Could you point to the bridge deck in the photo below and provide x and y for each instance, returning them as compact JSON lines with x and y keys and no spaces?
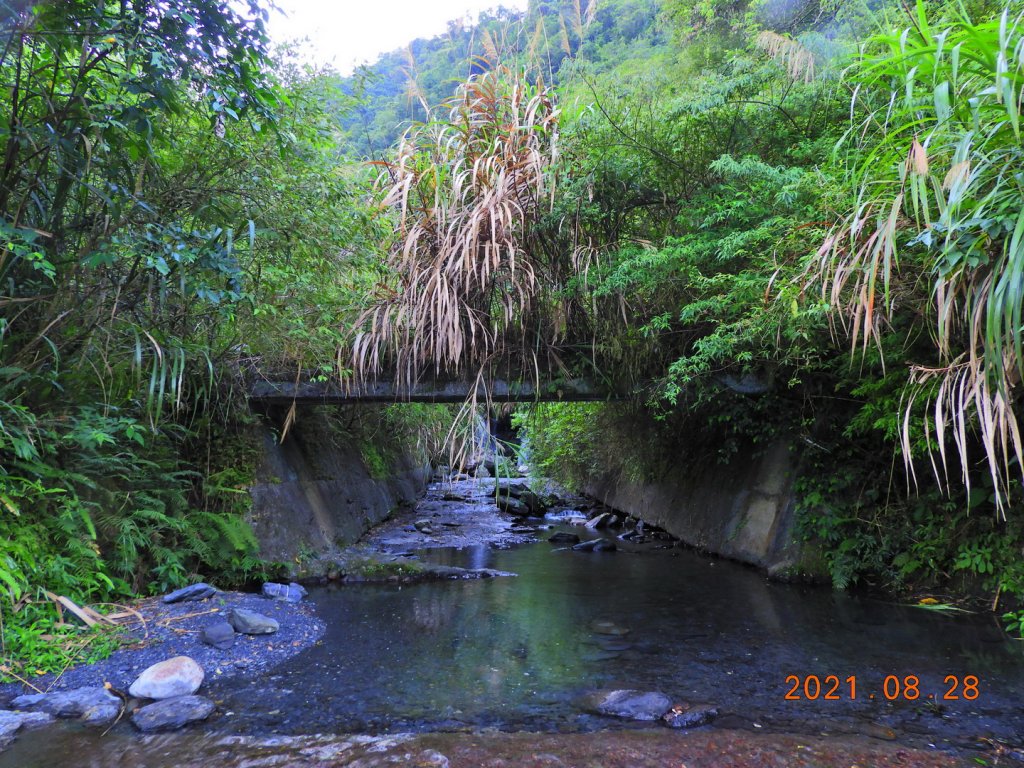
{"x":500,"y":391}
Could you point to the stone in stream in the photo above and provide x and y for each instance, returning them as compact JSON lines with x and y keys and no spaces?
{"x":12,"y":722}
{"x":252,"y":623}
{"x":172,"y":714}
{"x":687,"y":717}
{"x":878,"y":731}
{"x":595,"y":545}
{"x":199,"y":591}
{"x":630,"y":704}
{"x":94,"y":705}
{"x":564,"y":538}
{"x":603,"y":520}
{"x":423,"y":526}
{"x":515,"y":490}
{"x":512,"y":506}
{"x":220,"y":634}
{"x":533,"y":502}
{"x":292,"y":593}
{"x":605,"y":627}
{"x":180,"y":676}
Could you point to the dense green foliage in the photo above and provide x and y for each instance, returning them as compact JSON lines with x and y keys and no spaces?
{"x":157,"y":239}
{"x":716,"y":199}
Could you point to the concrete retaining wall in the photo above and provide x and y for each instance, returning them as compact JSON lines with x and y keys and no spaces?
{"x":315,"y":495}
{"x":743,"y":510}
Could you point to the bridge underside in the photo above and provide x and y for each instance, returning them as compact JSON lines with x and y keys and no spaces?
{"x":498,"y":391}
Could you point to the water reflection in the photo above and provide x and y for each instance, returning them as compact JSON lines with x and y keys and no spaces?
{"x":521,"y":652}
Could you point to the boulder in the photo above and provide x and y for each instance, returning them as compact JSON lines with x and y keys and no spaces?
{"x":172,"y":714}
{"x":180,"y":676}
{"x":199,"y":591}
{"x":514,"y":489}
{"x":533,"y":502}
{"x":95,"y":705}
{"x":512,"y":506}
{"x":630,"y":704}
{"x":689,"y":717}
{"x":603,"y":520}
{"x":252,"y":623}
{"x":220,"y":634}
{"x":12,"y":722}
{"x":292,"y":593}
{"x":564,"y":538}
{"x":423,"y":526}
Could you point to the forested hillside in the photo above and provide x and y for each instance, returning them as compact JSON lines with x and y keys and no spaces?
{"x":784,"y":219}
{"x":549,"y":38}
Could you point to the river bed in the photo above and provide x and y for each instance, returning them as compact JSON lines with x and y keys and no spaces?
{"x":520,"y":654}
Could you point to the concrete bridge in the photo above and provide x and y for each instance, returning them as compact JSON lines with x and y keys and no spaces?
{"x":498,"y":390}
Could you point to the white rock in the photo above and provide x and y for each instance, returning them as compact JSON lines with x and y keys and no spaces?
{"x":180,"y":676}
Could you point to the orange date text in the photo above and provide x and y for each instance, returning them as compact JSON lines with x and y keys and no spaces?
{"x":891,"y":688}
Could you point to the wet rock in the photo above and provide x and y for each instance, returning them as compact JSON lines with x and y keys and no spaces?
{"x":252,"y":623}
{"x":602,"y":520}
{"x":686,"y":717}
{"x":293,"y":592}
{"x":452,"y":496}
{"x":605,"y":627}
{"x":199,"y":591}
{"x":95,"y":705}
{"x":180,"y":676}
{"x":219,"y":634}
{"x":533,"y":502}
{"x":423,"y":526}
{"x":512,"y":506}
{"x":172,"y":714}
{"x":630,"y":704}
{"x":878,"y":731}
{"x":516,"y":490}
{"x":454,"y":572}
{"x":564,"y":538}
{"x":12,"y":722}
{"x":595,"y":545}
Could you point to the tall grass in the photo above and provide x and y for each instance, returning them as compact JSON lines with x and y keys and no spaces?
{"x":935,"y":154}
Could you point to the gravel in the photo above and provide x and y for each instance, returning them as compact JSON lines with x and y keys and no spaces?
{"x":174,"y":630}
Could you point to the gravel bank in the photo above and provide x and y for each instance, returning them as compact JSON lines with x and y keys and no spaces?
{"x":174,"y":630}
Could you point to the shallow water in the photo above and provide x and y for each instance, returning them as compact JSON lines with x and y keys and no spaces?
{"x":519,"y":653}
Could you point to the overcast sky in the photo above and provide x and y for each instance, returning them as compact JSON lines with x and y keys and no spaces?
{"x":349,"y":32}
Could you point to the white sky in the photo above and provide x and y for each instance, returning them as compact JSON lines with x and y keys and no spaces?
{"x":350,"y":32}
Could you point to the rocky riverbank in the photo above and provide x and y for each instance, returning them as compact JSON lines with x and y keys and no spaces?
{"x":218,"y":634}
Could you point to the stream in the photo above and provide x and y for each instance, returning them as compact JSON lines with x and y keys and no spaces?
{"x":519,"y":653}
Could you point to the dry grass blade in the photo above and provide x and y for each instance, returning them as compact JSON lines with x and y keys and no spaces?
{"x":939,"y":131}
{"x":798,"y":61}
